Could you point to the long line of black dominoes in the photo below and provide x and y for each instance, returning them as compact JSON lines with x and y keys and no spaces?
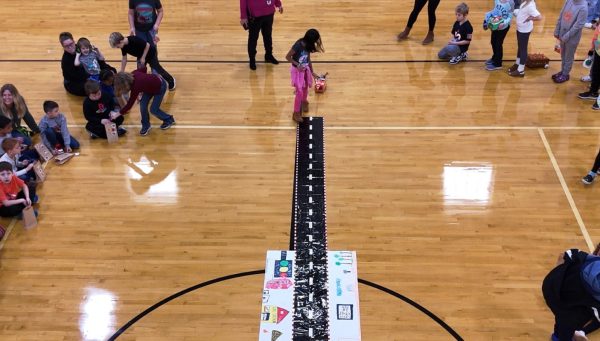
{"x":309,"y":233}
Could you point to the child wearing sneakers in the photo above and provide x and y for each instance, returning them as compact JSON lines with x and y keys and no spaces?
{"x":151,"y":87}
{"x":97,"y":108}
{"x":526,"y":15}
{"x":55,"y":133}
{"x":462,"y":33}
{"x":592,"y":93}
{"x":14,"y":194}
{"x":591,"y":176}
{"x":568,"y":31}
{"x":498,"y":21}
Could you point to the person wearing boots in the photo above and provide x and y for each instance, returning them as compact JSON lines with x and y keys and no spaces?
{"x":256,"y":16}
{"x":419,"y":4}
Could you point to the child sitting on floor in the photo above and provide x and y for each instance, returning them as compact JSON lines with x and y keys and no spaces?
{"x":55,"y":133}
{"x":14,"y":194}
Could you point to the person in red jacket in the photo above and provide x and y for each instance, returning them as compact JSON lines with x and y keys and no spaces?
{"x":257,"y":16}
{"x":151,"y":86}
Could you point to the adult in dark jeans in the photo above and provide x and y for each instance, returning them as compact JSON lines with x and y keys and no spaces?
{"x":595,"y":85}
{"x":257,"y":16}
{"x":412,"y":18}
{"x":74,"y":76}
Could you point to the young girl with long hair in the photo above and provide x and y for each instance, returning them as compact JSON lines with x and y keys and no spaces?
{"x":302,"y":72}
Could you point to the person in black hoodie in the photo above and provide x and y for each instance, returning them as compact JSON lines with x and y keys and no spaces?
{"x":74,"y":76}
{"x":572,"y":292}
{"x":97,"y":108}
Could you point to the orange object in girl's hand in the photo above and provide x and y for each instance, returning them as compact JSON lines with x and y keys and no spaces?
{"x":321,"y":83}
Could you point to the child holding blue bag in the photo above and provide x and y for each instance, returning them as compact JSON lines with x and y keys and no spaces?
{"x":498,"y":21}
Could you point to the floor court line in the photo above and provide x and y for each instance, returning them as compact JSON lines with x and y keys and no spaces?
{"x":293,"y":127}
{"x":561,"y":179}
{"x":9,"y":229}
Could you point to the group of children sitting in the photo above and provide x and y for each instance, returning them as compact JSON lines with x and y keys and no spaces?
{"x":17,"y":178}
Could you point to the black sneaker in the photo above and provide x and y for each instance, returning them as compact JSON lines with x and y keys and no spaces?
{"x":588,"y":95}
{"x":252,"y":64}
{"x":270,"y":59}
{"x":145,"y":131}
{"x":595,"y":106}
{"x":173,"y":86}
{"x":121,"y":131}
{"x":167,"y":123}
{"x":93,"y":136}
{"x":588,"y":179}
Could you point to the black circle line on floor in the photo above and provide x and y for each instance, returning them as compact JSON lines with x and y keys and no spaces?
{"x":258,"y":272}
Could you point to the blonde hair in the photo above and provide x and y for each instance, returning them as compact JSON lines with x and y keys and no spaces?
{"x":115,"y":38}
{"x":122,"y":83}
{"x":18,"y":102}
{"x":463,"y":8}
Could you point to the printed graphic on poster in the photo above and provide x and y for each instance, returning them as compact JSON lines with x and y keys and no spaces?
{"x":278,"y":302}
{"x":344,"y":315}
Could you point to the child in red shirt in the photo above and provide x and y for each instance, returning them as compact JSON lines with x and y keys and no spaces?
{"x":14,"y":194}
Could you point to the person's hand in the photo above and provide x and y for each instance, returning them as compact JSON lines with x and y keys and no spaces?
{"x":29,"y":167}
{"x":244,"y":23}
{"x":156,"y":39}
{"x":27,"y":202}
{"x":114,"y":114}
{"x":300,"y":67}
{"x":555,"y":36}
{"x":142,"y":62}
{"x":139,"y":98}
{"x":280,"y":9}
{"x":105,"y":121}
{"x":25,"y":162}
{"x":68,"y":149}
{"x":132,"y":31}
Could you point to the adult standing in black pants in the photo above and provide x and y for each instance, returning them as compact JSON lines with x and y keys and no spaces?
{"x":257,"y":16}
{"x":419,"y":4}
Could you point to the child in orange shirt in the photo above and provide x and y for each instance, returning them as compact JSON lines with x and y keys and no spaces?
{"x":14,"y":194}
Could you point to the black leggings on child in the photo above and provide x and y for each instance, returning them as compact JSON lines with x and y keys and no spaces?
{"x":419,"y":4}
{"x":596,"y":166}
{"x":497,"y":40}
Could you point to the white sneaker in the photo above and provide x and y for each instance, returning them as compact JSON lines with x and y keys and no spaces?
{"x":586,"y":78}
{"x":588,"y":25}
{"x":579,"y":335}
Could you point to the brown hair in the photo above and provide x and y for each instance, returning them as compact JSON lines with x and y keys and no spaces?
{"x":18,"y":103}
{"x":9,"y":143}
{"x":462,"y":8}
{"x":123,"y":82}
{"x":5,"y":166}
{"x":65,"y":36}
{"x":91,"y":87}
{"x":84,"y":42}
{"x":115,"y":38}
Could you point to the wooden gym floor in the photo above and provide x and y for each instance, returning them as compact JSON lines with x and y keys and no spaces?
{"x":457,"y":187}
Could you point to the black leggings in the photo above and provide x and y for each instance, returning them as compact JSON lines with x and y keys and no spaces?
{"x":262,"y":24}
{"x":497,"y":40}
{"x":419,"y":4}
{"x":596,"y":166}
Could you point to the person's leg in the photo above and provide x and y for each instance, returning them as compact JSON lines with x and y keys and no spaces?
{"x":499,"y":51}
{"x":11,"y":211}
{"x":253,"y":31}
{"x":50,"y":136}
{"x":18,"y":135}
{"x":155,"y":65}
{"x":74,"y":143}
{"x":147,"y":36}
{"x":591,"y":10}
{"x":431,"y":7}
{"x":298,"y":99}
{"x":97,"y":129}
{"x":145,"y":116}
{"x":494,"y":43}
{"x":591,"y":176}
{"x":156,"y":102}
{"x":523,"y":41}
{"x":267,"y":31}
{"x":418,"y":6}
{"x":445,"y":52}
{"x":75,"y":88}
{"x":595,"y":74}
{"x":568,"y":55}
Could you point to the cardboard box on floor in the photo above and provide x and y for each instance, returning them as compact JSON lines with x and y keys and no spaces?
{"x":111,"y":132}
{"x":29,"y":218}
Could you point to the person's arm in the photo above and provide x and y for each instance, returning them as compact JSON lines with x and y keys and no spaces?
{"x":159,"y":17}
{"x":143,"y":57}
{"x":26,"y":192}
{"x":131,"y":19}
{"x":89,"y":112}
{"x":123,"y":63}
{"x":290,"y":58}
{"x":64,"y":131}
{"x":43,"y":126}
{"x":8,"y":203}
{"x":279,"y":6}
{"x":30,"y":121}
{"x":24,"y":170}
{"x":99,"y":54}
{"x":77,"y":62}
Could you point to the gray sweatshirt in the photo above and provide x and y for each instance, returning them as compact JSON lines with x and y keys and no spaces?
{"x":59,"y":125}
{"x":571,"y":20}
